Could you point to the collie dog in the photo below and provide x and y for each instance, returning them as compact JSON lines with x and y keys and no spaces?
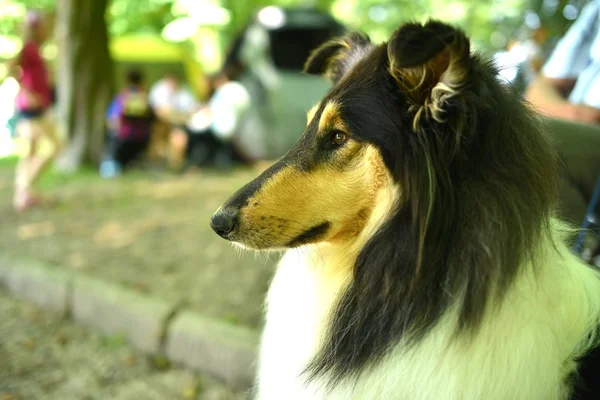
{"x":422,"y":260}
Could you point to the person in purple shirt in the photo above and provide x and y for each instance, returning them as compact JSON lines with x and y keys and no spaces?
{"x":129,"y":119}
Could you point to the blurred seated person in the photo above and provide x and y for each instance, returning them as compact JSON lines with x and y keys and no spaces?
{"x":568,"y":89}
{"x":129,"y":120}
{"x":211,"y":130}
{"x":173,"y":104}
{"x":522,"y":60}
{"x":569,"y":84}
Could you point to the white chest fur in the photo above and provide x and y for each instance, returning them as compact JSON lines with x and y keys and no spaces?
{"x":297,"y":305}
{"x":523,"y":350}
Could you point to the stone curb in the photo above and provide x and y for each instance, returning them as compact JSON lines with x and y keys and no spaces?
{"x":30,"y":281}
{"x":206,"y":344}
{"x":114,"y":310}
{"x":225,"y":351}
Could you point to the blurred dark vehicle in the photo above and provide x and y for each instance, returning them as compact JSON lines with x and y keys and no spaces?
{"x":269,"y":56}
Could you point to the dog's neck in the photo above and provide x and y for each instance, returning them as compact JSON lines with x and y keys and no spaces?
{"x":338,"y":256}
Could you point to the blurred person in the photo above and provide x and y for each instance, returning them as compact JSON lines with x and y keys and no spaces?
{"x":174,"y":104}
{"x":171,"y":100}
{"x":522,"y":60}
{"x":569,"y":84}
{"x":512,"y":65}
{"x":568,"y":89}
{"x":212,"y":129}
{"x":129,"y":120}
{"x":541,"y":47}
{"x":228,"y":105}
{"x":32,"y":105}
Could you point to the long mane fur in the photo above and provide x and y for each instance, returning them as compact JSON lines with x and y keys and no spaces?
{"x":478,"y":192}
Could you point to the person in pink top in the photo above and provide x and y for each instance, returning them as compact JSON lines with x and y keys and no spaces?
{"x":32,"y":105}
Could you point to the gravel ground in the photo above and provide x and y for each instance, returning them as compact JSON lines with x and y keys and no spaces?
{"x":44,"y":356}
{"x":146,"y":231}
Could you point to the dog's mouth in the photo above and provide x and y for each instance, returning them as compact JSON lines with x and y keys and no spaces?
{"x":310,"y":235}
{"x":266,"y":232}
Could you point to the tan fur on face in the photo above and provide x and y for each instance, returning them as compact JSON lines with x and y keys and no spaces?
{"x":331,"y":119}
{"x":311,"y":113}
{"x":381,"y":183}
{"x":342,"y":192}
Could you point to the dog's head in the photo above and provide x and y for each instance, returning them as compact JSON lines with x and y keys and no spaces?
{"x":417,"y":137}
{"x":357,"y":139}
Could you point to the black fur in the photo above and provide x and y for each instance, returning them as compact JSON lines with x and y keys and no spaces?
{"x":415,"y":45}
{"x":310,"y":235}
{"x":336,"y":57}
{"x":587,"y":379}
{"x":485,"y":177}
{"x":240,"y":198}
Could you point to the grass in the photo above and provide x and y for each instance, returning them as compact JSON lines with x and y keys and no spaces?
{"x":51,"y":178}
{"x":8,"y":162}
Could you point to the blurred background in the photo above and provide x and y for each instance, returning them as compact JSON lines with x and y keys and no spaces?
{"x":156,"y":111}
{"x":100,"y":40}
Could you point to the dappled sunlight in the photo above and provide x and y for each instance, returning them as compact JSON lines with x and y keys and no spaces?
{"x":36,"y":230}
{"x":76,"y":261}
{"x":77,"y":228}
{"x":116,"y":234}
{"x":164,"y":190}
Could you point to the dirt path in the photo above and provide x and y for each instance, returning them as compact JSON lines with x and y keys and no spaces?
{"x":146,"y":231}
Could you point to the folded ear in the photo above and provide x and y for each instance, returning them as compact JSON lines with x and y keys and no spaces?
{"x":336,"y":57}
{"x":430,"y":63}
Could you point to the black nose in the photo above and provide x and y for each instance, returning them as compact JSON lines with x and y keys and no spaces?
{"x":223,"y":222}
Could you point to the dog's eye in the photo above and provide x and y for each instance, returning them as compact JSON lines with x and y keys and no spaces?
{"x":335,"y":139}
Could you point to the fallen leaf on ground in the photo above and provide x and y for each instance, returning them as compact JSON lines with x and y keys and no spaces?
{"x":29,"y":343}
{"x":140,"y":287}
{"x":34,"y":315}
{"x":62,"y":338}
{"x":130,"y":359}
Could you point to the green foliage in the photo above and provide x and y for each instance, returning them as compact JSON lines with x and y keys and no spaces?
{"x":489,"y":22}
{"x":8,"y":162}
{"x":114,"y":341}
{"x":127,"y":16}
{"x":124,"y":16}
{"x":160,"y":363}
{"x":13,"y":11}
{"x":243,"y":11}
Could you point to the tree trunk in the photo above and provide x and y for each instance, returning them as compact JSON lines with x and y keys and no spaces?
{"x":84,"y":79}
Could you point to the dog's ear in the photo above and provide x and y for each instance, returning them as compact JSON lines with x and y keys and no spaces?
{"x":431,"y":64}
{"x":335,"y":57}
